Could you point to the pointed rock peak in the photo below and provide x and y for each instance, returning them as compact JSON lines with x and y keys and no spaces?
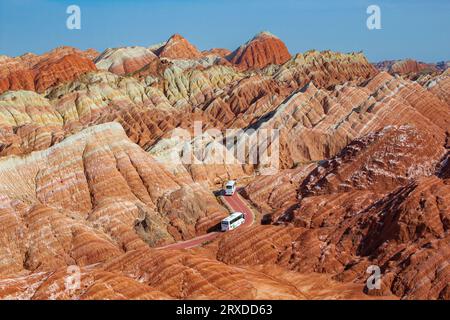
{"x":176,"y":37}
{"x":263,"y":34}
{"x":262,"y":50}
{"x":177,"y":47}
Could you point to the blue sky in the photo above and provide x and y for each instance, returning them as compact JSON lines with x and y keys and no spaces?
{"x":410,"y":28}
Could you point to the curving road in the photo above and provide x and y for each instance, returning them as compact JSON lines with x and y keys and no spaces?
{"x":234,"y":202}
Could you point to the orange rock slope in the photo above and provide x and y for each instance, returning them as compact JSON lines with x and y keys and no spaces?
{"x":93,"y":196}
{"x":124,"y":60}
{"x":406,"y":67}
{"x":37,"y":73}
{"x":382,"y":201}
{"x":178,"y":47}
{"x":264,"y":49}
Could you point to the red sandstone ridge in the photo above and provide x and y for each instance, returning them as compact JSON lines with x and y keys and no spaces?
{"x":28,"y":60}
{"x":380,"y":162}
{"x":378,"y":202}
{"x":264,"y":49}
{"x":65,"y":69}
{"x":409,"y":66}
{"x":124,"y":60}
{"x":406,"y":67}
{"x":221,"y":52}
{"x":37,"y":73}
{"x":178,"y":47}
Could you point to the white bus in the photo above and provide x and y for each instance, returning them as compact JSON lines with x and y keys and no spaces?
{"x":232,"y":221}
{"x":230,"y":188}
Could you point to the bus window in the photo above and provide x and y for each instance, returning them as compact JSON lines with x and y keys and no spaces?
{"x":233,"y":221}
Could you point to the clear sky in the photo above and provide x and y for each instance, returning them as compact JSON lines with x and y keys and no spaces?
{"x":417,"y":29}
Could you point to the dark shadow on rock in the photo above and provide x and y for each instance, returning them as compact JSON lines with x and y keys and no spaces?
{"x":214,"y":228}
{"x":266,"y":219}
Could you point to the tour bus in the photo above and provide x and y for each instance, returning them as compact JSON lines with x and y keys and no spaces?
{"x":232,"y":221}
{"x":230,"y":188}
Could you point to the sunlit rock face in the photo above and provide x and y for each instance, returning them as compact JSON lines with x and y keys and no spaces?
{"x":39,"y":72}
{"x":379,"y":161}
{"x":178,"y":47}
{"x":263,"y":50}
{"x":405,"y":67}
{"x":323,"y":68}
{"x":380,"y":201}
{"x":124,"y":60}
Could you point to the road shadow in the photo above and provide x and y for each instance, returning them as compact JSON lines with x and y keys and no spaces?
{"x":214,"y":228}
{"x":219,"y":193}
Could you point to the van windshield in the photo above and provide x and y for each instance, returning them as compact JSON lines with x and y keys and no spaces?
{"x":229,"y":187}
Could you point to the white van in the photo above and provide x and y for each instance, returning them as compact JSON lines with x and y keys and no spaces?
{"x":230,"y":188}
